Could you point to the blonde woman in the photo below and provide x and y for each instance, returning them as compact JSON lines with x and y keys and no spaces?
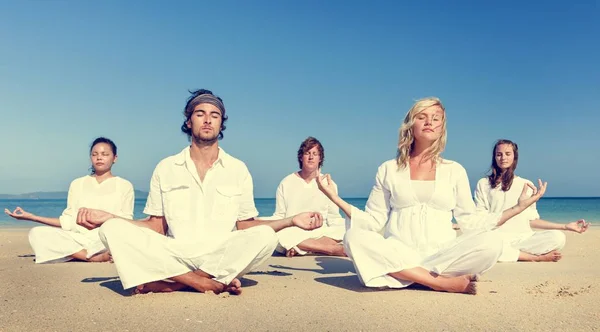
{"x":405,"y":234}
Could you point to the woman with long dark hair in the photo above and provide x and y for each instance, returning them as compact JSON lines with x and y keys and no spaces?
{"x":501,"y":189}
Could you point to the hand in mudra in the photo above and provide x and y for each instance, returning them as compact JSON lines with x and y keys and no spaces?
{"x":578,"y":226}
{"x":19,"y":214}
{"x":526,"y":200}
{"x":326,"y":185}
{"x":92,"y":218}
{"x":308,"y":220}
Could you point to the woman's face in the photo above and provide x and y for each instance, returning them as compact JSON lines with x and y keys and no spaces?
{"x":505,"y":156}
{"x":102,"y":157}
{"x":311,"y":159}
{"x":428,"y":124}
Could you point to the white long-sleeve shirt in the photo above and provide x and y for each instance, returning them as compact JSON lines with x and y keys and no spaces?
{"x":496,"y":200}
{"x":426,"y":227}
{"x":114,"y":195}
{"x":294,"y":195}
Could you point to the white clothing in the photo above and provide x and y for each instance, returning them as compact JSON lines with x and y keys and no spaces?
{"x":419,"y":234}
{"x":52,"y":244}
{"x":194,"y":208}
{"x":516,"y":232}
{"x":142,"y":255}
{"x":201,"y":218}
{"x":423,"y":190}
{"x":294,"y":196}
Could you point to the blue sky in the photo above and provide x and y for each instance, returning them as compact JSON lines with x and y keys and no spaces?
{"x":345,"y":72}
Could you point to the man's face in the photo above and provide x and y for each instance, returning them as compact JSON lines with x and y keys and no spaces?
{"x":205,"y":123}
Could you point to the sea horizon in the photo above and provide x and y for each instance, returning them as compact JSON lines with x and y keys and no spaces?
{"x":556,"y":209}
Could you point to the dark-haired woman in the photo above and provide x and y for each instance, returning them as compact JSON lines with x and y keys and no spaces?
{"x":63,"y":239}
{"x":500,"y":190}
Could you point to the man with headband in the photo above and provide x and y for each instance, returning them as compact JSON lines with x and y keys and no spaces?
{"x":202,"y":199}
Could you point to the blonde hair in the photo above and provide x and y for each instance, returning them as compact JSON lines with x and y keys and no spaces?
{"x":406,"y":138}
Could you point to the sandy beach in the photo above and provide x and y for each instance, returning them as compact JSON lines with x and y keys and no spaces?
{"x":298,"y":294}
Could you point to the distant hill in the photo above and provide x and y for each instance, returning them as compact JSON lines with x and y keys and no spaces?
{"x":57,"y":195}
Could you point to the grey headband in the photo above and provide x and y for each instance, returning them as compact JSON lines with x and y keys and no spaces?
{"x":208,"y":99}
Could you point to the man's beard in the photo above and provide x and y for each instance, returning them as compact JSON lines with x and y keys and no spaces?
{"x":199,"y":140}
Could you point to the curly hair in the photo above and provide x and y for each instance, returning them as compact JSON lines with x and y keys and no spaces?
{"x":194,"y":101}
{"x":308,"y":144}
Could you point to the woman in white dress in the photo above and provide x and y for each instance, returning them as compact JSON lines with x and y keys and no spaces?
{"x":500,"y":190}
{"x":63,"y":239}
{"x":298,"y":192}
{"x":405,"y":234}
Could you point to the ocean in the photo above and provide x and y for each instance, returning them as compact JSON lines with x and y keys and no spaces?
{"x":557,"y":209}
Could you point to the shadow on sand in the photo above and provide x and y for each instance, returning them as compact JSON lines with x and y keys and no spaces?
{"x":328,"y":264}
{"x":114,"y":284}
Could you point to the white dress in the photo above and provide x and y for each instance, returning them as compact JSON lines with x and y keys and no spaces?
{"x":516,"y":232}
{"x":52,"y":244}
{"x":201,"y":218}
{"x":419,"y":233}
{"x":294,"y":196}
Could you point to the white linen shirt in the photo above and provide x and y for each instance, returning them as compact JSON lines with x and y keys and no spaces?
{"x":393,"y":207}
{"x":294,"y":196}
{"x":114,"y":195}
{"x":496,"y":200}
{"x":195,"y":209}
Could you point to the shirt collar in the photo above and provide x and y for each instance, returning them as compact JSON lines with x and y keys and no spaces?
{"x":184,"y":156}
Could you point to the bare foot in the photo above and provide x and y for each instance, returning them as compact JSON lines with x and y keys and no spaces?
{"x":473,"y":277}
{"x":158,"y":287}
{"x":291,"y":253}
{"x":101,"y":257}
{"x":338,"y":250}
{"x":553,"y":256}
{"x":235,"y":287}
{"x":461,"y":284}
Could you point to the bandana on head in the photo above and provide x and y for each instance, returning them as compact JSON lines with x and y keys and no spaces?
{"x":209,"y":99}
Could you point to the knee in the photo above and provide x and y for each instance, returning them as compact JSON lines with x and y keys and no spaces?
{"x":492,"y":245}
{"x":110,"y":227}
{"x":353,"y":237}
{"x":559,"y":239}
{"x":267,"y":236}
{"x":38,"y":233}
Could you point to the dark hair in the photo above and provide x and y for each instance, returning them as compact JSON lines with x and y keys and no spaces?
{"x":99,"y":140}
{"x":308,"y":144}
{"x":498,"y":175}
{"x":189,"y":110}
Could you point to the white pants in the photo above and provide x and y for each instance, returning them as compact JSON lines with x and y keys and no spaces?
{"x":375,"y":256}
{"x":535,"y":243}
{"x":54,"y":245}
{"x":142,"y":255}
{"x":292,"y":236}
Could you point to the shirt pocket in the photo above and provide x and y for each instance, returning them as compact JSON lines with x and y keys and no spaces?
{"x":176,"y":201}
{"x":226,"y":205}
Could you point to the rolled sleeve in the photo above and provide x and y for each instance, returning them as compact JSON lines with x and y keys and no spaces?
{"x":154,"y":203}
{"x":247,"y":208}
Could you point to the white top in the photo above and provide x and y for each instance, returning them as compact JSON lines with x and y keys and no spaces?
{"x":423,"y":189}
{"x":294,"y":196}
{"x":394,"y":207}
{"x":495,"y":200}
{"x":193,"y":208}
{"x":114,"y":195}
